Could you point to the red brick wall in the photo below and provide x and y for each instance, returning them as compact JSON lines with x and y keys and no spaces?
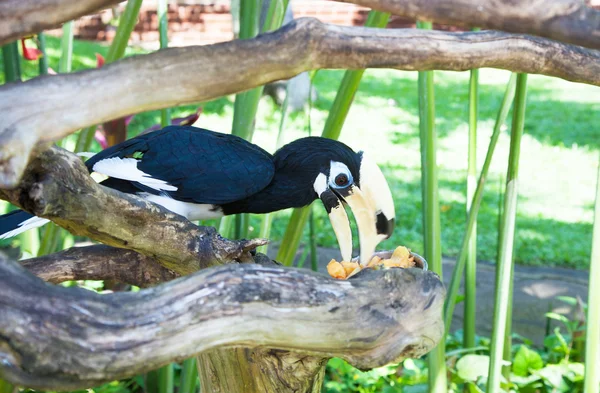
{"x":210,"y":22}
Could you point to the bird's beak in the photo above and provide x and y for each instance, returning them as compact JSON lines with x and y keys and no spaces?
{"x":372,"y":206}
{"x":339,"y":222}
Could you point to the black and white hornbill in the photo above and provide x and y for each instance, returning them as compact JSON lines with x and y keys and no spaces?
{"x":202,"y":174}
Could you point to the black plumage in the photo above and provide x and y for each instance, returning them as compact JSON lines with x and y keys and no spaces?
{"x":207,"y":167}
{"x":202,"y":174}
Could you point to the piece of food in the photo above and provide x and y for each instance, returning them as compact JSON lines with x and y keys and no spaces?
{"x":349,"y":267}
{"x":336,"y":270}
{"x":401,"y":257}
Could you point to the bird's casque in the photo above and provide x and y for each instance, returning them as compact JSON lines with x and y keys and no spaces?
{"x":201,"y":174}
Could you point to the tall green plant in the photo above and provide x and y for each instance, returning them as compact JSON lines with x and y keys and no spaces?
{"x":189,"y":376}
{"x":471,"y":268}
{"x":507,"y":235}
{"x":66,"y":46}
{"x":246,"y":103}
{"x":431,"y":209}
{"x":457,"y":273}
{"x":43,"y":61}
{"x":333,"y":127}
{"x":12,"y":62}
{"x":592,"y":338}
{"x":116,"y":51}
{"x":163,"y":31}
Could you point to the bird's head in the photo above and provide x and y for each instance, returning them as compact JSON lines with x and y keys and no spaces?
{"x":340,"y":176}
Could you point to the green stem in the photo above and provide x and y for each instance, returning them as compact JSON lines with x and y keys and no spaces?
{"x":165,"y":379}
{"x":66,"y":46}
{"x":291,"y":238}
{"x":507,"y":350}
{"x":471,"y":263}
{"x":127,"y":22}
{"x":48,"y":240}
{"x":246,"y":103}
{"x":12,"y":62}
{"x":333,"y":128}
{"x":592,"y":339}
{"x":431,"y":208}
{"x":476,"y":203}
{"x":43,"y":61}
{"x":267,"y":219}
{"x":505,"y":257}
{"x":163,"y":30}
{"x":275,"y":15}
{"x":189,"y":376}
{"x":30,"y":241}
{"x":312,"y":241}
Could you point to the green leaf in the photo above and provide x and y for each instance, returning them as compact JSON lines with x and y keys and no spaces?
{"x":553,"y":375}
{"x":558,"y":317}
{"x":526,"y":360}
{"x":471,"y":367}
{"x":567,"y":299}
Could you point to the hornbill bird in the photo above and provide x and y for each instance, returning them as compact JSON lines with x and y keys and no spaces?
{"x":201,"y":174}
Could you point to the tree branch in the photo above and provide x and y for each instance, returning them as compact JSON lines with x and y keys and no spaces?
{"x":99,"y":262}
{"x":376,"y":318}
{"x":563,"y":20}
{"x":57,"y":186}
{"x":50,"y":107}
{"x":23,"y":17}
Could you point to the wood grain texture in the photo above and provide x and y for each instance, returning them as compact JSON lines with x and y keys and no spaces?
{"x":99,"y":262}
{"x":57,"y":186}
{"x":57,"y":338}
{"x":24,"y":17}
{"x":569,"y":21}
{"x":48,"y":108}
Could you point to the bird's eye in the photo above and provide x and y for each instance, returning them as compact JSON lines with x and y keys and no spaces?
{"x":339,"y":175}
{"x":341,"y":180}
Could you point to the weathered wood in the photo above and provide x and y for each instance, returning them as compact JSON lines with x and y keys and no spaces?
{"x":57,"y":338}
{"x":99,"y":262}
{"x":260,"y":370}
{"x":57,"y":186}
{"x":51,"y":107}
{"x":563,"y":20}
{"x":23,"y":17}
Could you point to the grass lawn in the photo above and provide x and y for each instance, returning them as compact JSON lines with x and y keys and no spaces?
{"x":557,"y":171}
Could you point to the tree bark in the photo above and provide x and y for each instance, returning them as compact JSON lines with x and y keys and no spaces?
{"x":261,"y":370}
{"x":24,"y":17}
{"x":57,"y":186}
{"x":56,"y":338}
{"x":99,"y":262}
{"x":563,"y":20}
{"x":35,"y":112}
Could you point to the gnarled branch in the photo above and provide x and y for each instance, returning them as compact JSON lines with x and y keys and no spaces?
{"x":563,"y":20}
{"x":57,"y":186}
{"x":99,"y":262}
{"x":23,"y":17}
{"x":376,"y":318}
{"x":35,"y":111}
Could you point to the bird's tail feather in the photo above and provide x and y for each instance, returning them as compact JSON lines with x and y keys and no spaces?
{"x":17,"y":222}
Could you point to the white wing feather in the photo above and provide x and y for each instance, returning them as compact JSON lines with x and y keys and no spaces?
{"x":126,"y":169}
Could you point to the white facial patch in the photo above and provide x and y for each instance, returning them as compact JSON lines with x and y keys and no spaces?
{"x":320,"y":184}
{"x":126,"y":169}
{"x":374,"y":185}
